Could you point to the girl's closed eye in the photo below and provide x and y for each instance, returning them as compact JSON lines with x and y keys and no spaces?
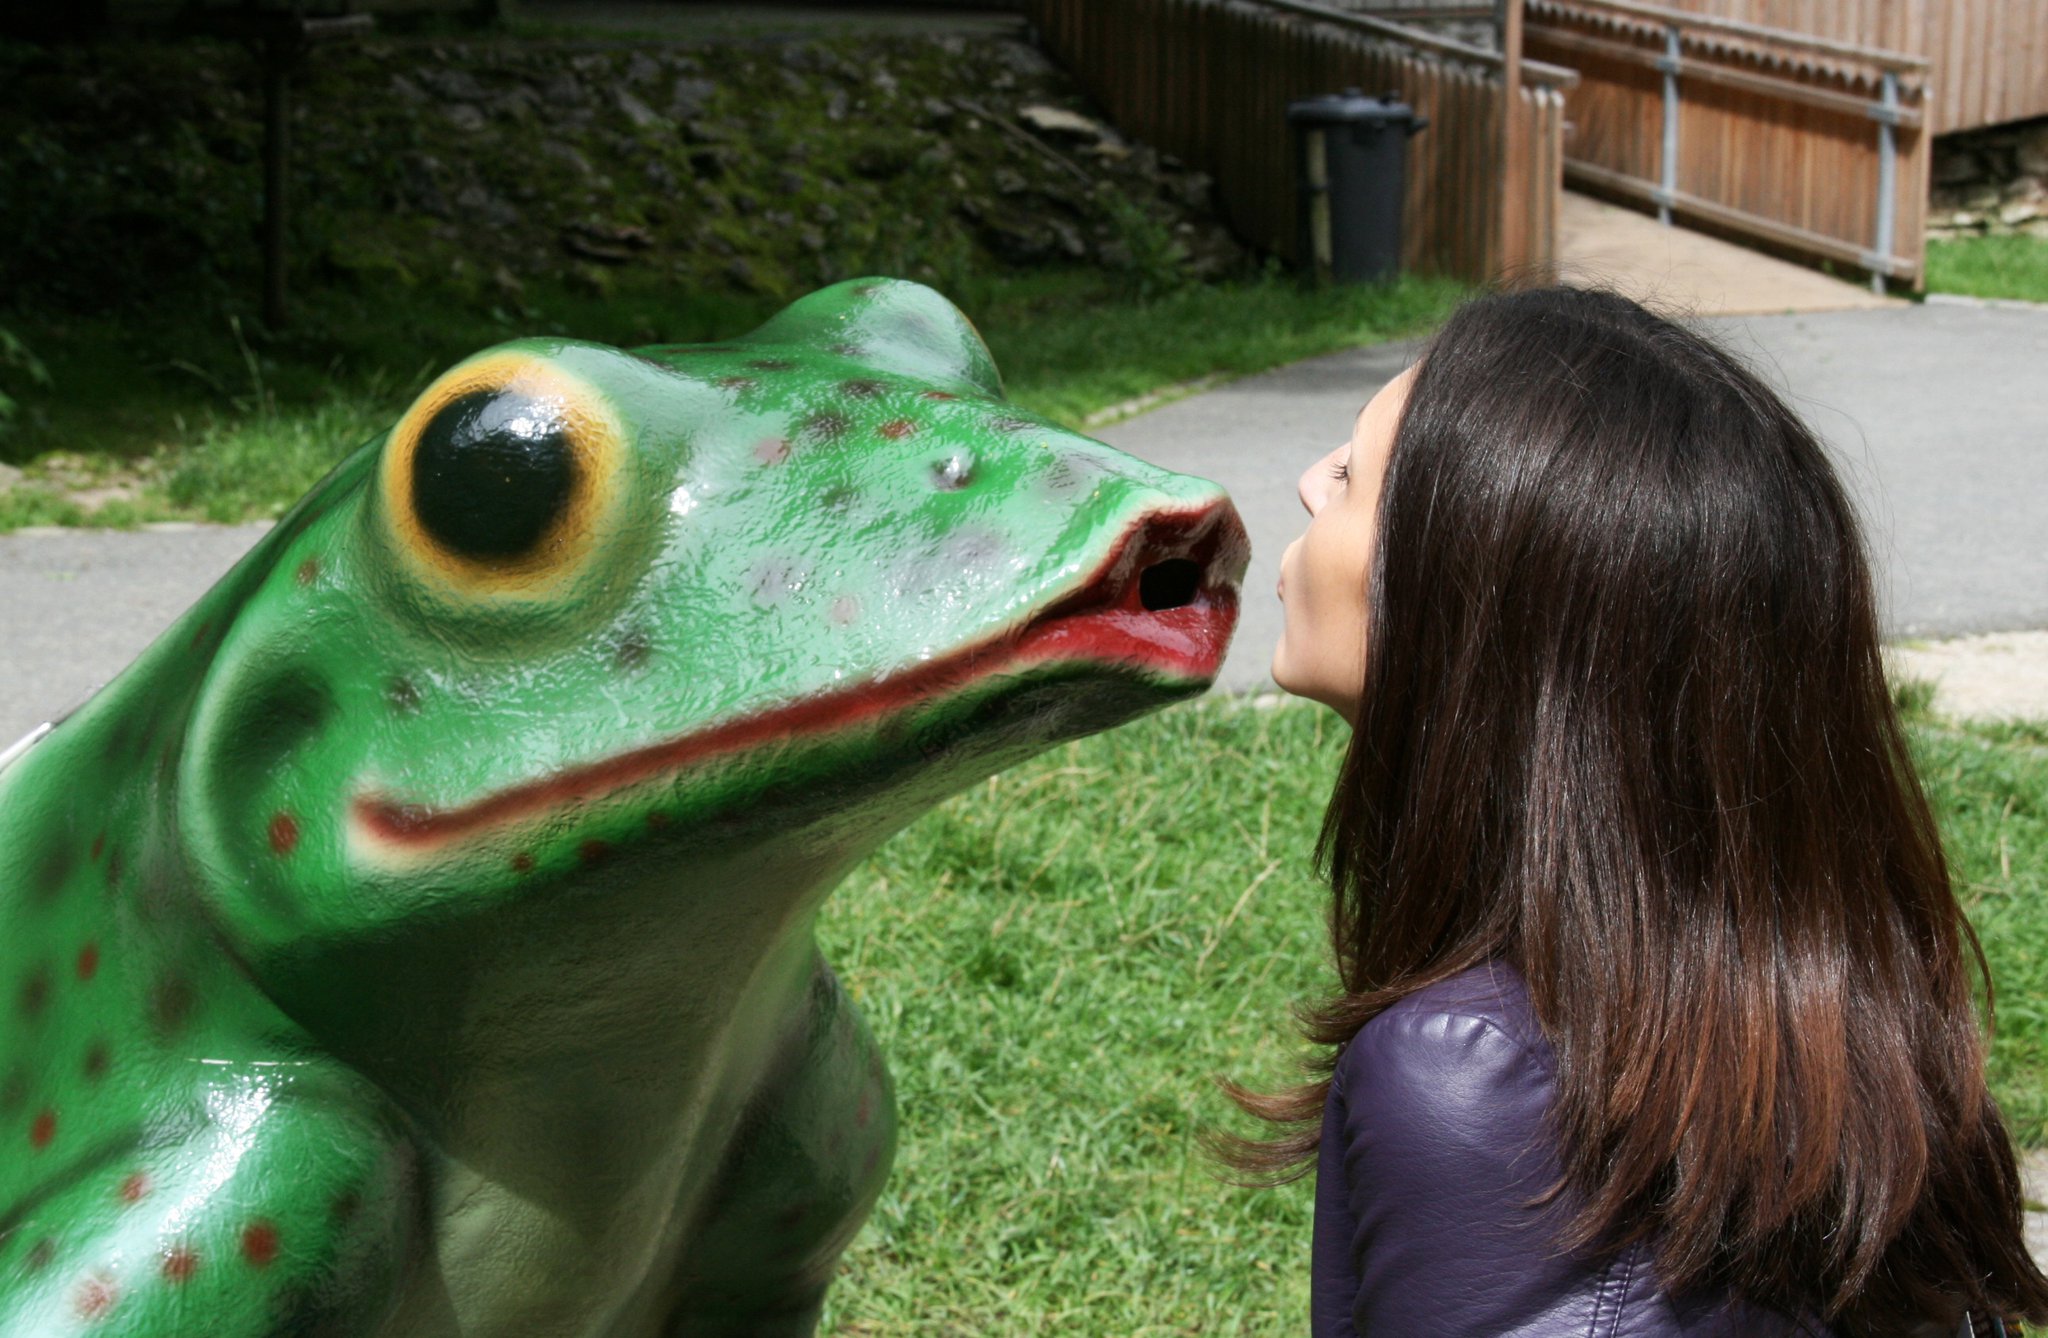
{"x":1340,"y":470}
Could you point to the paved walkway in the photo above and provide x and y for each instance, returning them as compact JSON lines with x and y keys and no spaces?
{"x":1932,"y":412}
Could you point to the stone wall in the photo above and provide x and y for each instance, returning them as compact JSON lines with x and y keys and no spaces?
{"x":1991,"y":182}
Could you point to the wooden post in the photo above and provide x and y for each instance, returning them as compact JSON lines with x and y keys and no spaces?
{"x":1512,"y":255}
{"x":279,"y":40}
{"x":278,"y":54}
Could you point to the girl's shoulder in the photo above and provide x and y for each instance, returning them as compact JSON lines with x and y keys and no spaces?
{"x":1479,"y":1020}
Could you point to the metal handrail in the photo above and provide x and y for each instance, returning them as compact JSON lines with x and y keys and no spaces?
{"x":1898,"y":61}
{"x":1533,"y":71}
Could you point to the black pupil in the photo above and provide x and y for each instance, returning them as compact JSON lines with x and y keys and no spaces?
{"x":492,"y":473}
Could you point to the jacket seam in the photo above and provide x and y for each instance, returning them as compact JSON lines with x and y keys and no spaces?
{"x":1626,"y":1265}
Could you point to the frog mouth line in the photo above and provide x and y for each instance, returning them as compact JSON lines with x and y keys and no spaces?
{"x":1163,"y":603}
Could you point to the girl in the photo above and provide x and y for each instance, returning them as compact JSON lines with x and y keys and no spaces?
{"x":1655,"y":1011}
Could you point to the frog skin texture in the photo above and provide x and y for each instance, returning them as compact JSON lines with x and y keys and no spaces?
{"x":418,"y":938}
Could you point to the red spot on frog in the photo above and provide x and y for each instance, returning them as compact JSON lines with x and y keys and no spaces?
{"x":99,"y":843}
{"x":180,"y":1264}
{"x":896,"y":429}
{"x":522,"y":863}
{"x":309,"y":571}
{"x":771,"y":450}
{"x":88,"y":961}
{"x":95,"y":1297}
{"x":940,"y":395}
{"x":43,"y":1130}
{"x":96,"y":1061}
{"x":135,"y":1188}
{"x":284,"y":834}
{"x":259,"y":1243}
{"x":594,"y":851}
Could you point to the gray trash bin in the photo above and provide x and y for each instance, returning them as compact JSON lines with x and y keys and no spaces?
{"x":1351,"y":160}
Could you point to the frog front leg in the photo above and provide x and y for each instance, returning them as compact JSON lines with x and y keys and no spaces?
{"x":255,"y":1204}
{"x":813,"y":1151}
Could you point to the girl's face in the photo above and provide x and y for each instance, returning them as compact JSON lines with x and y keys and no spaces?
{"x":1323,"y":574}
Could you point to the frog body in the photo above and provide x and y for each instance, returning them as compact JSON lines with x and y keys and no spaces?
{"x":418,"y":938}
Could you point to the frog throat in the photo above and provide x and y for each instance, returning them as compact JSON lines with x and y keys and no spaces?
{"x":1161,"y":605}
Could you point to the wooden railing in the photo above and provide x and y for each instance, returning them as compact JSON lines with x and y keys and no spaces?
{"x":1209,"y":81}
{"x":1808,"y":144}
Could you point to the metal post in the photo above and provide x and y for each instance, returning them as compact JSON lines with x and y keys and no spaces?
{"x":1667,"y":194}
{"x":1887,"y":178}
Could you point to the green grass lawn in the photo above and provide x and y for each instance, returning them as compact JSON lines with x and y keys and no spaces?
{"x":207,"y":422}
{"x":1056,"y":962}
{"x":2011,"y":267}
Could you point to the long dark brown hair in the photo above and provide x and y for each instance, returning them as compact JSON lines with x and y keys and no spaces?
{"x":1625,"y":725}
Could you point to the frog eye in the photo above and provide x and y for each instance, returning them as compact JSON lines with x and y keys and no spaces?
{"x":493,"y":473}
{"x":499,"y":476}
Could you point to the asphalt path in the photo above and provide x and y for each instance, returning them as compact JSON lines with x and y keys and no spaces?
{"x":1937,"y":415}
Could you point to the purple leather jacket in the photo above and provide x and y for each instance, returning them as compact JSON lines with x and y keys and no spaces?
{"x":1434,"y":1141}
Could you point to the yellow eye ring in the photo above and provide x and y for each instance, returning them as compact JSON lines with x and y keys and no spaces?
{"x":500,"y":477}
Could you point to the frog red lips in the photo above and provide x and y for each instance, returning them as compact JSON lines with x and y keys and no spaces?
{"x":1166,"y":600}
{"x":1163,"y":604}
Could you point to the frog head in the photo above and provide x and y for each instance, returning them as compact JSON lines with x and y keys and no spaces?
{"x":589,"y":619}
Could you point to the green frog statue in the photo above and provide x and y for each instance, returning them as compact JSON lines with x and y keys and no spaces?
{"x":418,"y":938}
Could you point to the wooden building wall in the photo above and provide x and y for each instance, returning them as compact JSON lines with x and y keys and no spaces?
{"x":1990,"y":57}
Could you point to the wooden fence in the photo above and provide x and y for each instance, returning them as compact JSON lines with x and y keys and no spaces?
{"x":1210,"y":80}
{"x":1989,"y":57}
{"x":1810,"y":145}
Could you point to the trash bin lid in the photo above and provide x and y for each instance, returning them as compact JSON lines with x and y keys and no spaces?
{"x":1349,"y":108}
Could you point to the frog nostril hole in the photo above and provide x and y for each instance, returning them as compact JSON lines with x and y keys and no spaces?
{"x":1171,"y":584}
